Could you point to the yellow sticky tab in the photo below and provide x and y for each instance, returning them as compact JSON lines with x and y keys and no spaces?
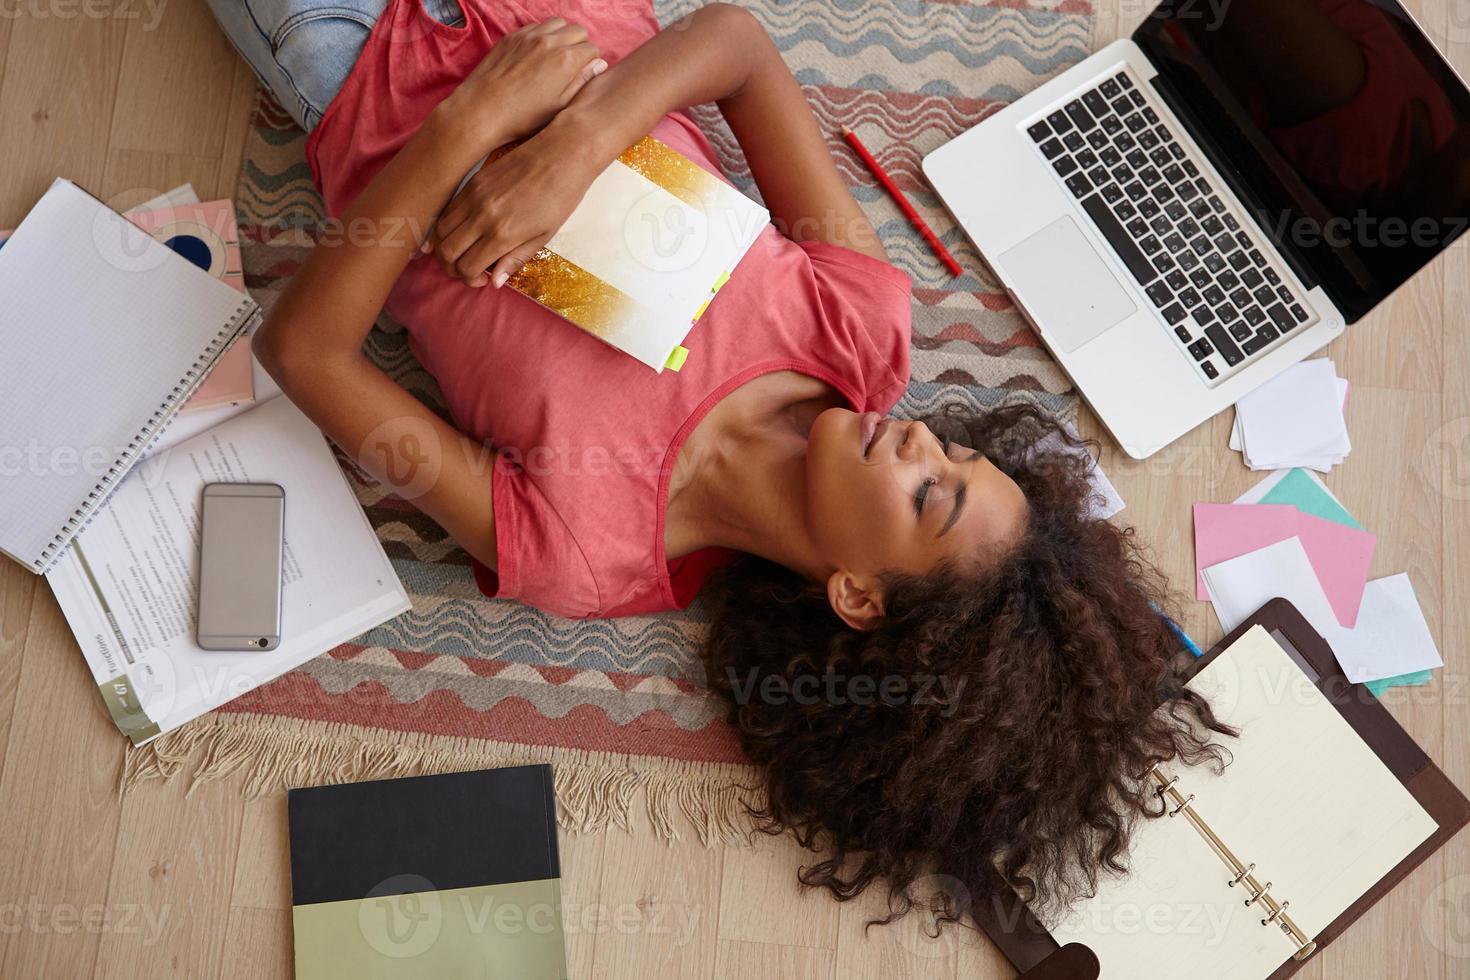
{"x":724,"y":278}
{"x":700,"y":312}
{"x":677,"y":358}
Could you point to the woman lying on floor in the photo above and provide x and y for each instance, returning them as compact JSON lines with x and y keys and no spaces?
{"x":837,"y":542}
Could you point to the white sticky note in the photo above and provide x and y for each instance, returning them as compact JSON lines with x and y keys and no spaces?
{"x":1237,"y":441}
{"x":1391,"y":636}
{"x":1240,"y":586}
{"x":1295,"y":419}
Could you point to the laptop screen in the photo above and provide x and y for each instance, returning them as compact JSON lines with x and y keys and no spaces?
{"x":1336,"y":121}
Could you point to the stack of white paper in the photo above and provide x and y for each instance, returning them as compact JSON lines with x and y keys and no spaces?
{"x":1295,"y":419}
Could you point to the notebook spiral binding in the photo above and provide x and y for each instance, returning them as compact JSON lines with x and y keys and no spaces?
{"x":1243,"y":875}
{"x":82,"y":516}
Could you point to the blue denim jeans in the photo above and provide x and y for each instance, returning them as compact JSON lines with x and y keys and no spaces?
{"x":303,"y":50}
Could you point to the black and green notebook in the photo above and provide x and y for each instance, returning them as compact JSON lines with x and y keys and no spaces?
{"x":447,"y":876}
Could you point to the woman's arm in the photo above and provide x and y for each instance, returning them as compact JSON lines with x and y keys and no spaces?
{"x":717,"y":54}
{"x":312,"y":342}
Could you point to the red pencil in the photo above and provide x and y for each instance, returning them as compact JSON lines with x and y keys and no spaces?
{"x":902,"y":202}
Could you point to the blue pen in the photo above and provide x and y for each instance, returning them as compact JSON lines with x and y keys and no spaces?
{"x":1189,"y":644}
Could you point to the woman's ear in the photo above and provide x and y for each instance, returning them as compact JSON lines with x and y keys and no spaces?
{"x":857,"y":601}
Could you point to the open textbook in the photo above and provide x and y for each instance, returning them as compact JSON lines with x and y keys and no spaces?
{"x":128,"y":584}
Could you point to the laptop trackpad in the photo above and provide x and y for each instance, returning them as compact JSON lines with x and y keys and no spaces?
{"x":1065,"y":286}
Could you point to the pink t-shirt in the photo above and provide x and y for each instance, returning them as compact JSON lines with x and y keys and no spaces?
{"x":585,"y":437}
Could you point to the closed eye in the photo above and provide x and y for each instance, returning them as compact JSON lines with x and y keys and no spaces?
{"x":922,"y":495}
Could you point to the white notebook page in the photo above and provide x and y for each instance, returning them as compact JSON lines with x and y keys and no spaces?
{"x":98,"y":325}
{"x":1305,"y":799}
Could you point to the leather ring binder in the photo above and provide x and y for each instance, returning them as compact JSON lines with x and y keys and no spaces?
{"x":1026,"y":942}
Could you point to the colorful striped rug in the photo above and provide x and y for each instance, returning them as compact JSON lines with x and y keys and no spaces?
{"x":619,"y":706}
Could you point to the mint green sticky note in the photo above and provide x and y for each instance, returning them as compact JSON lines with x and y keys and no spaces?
{"x":1307,"y":496}
{"x":1416,"y":679}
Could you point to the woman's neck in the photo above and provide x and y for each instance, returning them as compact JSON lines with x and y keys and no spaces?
{"x":740,"y":478}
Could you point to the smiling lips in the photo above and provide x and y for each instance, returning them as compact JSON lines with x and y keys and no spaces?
{"x":869,"y":428}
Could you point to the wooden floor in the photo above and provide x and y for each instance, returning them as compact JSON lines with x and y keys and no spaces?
{"x":163,"y":885}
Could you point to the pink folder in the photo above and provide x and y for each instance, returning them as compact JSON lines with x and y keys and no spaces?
{"x":206,"y":235}
{"x":1340,"y":555}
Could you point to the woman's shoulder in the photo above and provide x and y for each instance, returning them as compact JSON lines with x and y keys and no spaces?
{"x":871,"y":302}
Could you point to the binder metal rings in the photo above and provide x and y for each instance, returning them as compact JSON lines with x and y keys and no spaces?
{"x":1244,"y":876}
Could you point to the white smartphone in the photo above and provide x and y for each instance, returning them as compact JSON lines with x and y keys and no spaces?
{"x":240,"y":566}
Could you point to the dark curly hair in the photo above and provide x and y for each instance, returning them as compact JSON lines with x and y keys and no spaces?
{"x":1053,"y":684}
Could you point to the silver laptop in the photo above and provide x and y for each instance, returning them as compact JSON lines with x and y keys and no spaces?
{"x":1185,"y":214}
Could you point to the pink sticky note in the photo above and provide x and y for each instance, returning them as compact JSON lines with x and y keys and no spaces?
{"x":1340,"y":555}
{"x":1225,"y":531}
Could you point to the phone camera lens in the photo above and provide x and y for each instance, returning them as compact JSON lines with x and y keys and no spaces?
{"x":263,"y":643}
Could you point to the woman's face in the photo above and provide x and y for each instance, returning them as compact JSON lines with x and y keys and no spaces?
{"x":888,"y":495}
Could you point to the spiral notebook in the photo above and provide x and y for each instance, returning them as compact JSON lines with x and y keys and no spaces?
{"x":104,"y":332}
{"x":1248,"y":873}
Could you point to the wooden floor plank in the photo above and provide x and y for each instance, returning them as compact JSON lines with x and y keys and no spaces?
{"x":262,"y":872}
{"x":761,"y":901}
{"x":657,"y":911}
{"x":61,"y":812}
{"x":581,"y":888}
{"x":5,"y":23}
{"x":772,"y":962}
{"x":175,"y":856}
{"x":258,"y":944}
{"x":901,"y":950}
{"x":1446,"y":909}
{"x":17,"y":587}
{"x":56,"y":110}
{"x":237,"y":127}
{"x":171,"y":91}
{"x":134,"y":176}
{"x":1397,"y":345}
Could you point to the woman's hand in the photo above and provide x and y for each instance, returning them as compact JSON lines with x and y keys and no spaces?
{"x":513,"y":205}
{"x":528,"y":76}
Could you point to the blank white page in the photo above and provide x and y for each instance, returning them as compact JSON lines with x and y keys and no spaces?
{"x":103,"y":332}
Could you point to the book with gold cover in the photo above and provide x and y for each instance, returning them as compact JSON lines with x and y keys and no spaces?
{"x":644,"y":253}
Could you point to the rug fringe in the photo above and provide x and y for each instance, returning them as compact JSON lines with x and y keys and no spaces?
{"x":594,"y":791}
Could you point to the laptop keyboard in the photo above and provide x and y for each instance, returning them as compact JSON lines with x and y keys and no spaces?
{"x":1143,"y":190}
